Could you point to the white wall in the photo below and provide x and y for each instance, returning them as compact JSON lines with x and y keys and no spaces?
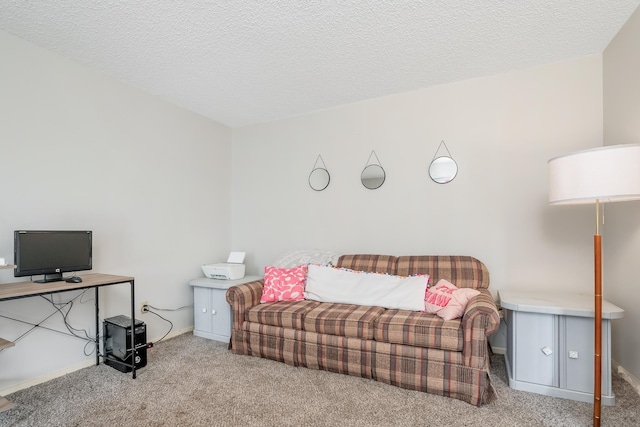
{"x":501,"y":130}
{"x":79,"y":150}
{"x":621,"y":235}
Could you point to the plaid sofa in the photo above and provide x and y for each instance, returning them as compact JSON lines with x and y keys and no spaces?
{"x":408,"y":349}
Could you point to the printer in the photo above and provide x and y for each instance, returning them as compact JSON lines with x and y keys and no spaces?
{"x":231,"y":270}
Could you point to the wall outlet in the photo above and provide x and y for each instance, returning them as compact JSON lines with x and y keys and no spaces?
{"x":144,"y":307}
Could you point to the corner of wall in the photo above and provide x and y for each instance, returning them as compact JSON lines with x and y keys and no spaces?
{"x":627,"y":376}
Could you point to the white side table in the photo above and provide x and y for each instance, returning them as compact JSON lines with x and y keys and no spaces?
{"x":211,"y":312}
{"x":550,"y":344}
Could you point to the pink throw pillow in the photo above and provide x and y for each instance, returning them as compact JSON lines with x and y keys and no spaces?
{"x":446,"y":300}
{"x":284,"y":284}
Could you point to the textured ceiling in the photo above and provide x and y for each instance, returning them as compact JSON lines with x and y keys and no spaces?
{"x":244,"y":62}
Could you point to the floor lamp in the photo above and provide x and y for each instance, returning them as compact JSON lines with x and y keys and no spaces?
{"x":596,"y":176}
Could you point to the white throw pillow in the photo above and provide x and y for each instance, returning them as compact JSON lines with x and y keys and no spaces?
{"x":329,"y":284}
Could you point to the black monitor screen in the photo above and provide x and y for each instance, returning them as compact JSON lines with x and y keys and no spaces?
{"x":51,"y":252}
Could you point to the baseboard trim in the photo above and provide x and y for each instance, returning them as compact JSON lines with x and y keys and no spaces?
{"x":47,"y":377}
{"x":174,"y":334}
{"x":67,"y":370}
{"x":627,"y":376}
{"x":499,"y":350}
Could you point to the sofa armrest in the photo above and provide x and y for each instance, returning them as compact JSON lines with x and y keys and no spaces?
{"x":241,"y":298}
{"x":480,"y":319}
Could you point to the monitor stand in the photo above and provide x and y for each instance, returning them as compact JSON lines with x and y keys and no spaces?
{"x":53,"y":277}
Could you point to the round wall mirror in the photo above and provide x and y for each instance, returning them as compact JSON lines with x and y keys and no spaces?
{"x":443,"y":169}
{"x":319,"y":179}
{"x":372,"y":177}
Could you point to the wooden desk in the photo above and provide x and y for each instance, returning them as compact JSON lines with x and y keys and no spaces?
{"x":9,"y":291}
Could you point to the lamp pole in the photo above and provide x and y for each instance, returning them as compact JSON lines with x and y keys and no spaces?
{"x":597,"y":361}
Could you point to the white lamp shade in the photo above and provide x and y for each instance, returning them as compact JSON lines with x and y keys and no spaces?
{"x":607,"y":174}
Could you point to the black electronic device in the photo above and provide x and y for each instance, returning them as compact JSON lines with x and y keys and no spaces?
{"x":116,"y":343}
{"x":51,"y":253}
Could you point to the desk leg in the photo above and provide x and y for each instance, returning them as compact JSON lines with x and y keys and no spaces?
{"x":133,"y":330}
{"x":97,"y":326}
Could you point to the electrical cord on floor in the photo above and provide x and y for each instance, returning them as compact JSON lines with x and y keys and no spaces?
{"x":166,"y":320}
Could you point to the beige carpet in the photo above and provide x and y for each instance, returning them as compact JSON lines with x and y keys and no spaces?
{"x":191,"y":381}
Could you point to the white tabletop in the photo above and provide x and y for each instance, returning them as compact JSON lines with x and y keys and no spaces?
{"x":561,"y":303}
{"x":205,"y":282}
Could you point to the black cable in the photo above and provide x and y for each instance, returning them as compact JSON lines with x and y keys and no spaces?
{"x":171,"y":309}
{"x":64,"y":315}
{"x":166,"y":320}
{"x":58,"y":309}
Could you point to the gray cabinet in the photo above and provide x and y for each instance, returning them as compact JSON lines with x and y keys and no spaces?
{"x":211,"y":312}
{"x":550,"y":344}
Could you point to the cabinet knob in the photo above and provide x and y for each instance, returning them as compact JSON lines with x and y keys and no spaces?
{"x":213,"y":311}
{"x":204,"y":309}
{"x":547,"y":351}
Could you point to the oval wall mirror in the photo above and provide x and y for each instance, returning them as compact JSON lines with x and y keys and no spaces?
{"x":443,"y":169}
{"x":372,"y":177}
{"x":319,"y":179}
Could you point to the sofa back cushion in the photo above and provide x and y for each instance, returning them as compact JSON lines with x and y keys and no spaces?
{"x":371,"y":263}
{"x":462,"y":271}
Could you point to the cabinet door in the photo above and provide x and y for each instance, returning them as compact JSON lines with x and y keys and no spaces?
{"x":211,"y":314}
{"x":579,"y":354}
{"x":536,"y":348}
{"x":220,"y":315}
{"x":202,"y":319}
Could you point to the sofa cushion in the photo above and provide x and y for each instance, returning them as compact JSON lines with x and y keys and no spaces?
{"x":287,"y":314}
{"x":419,"y":329}
{"x":462,"y":271}
{"x":347,"y":320}
{"x":373,"y":263}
